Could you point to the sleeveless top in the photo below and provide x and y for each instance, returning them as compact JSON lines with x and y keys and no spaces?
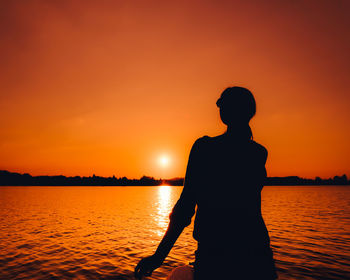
{"x":223,"y":184}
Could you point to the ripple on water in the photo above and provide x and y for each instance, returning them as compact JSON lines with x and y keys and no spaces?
{"x":101,"y":233}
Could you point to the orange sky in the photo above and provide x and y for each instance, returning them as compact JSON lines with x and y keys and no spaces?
{"x":106,"y":87}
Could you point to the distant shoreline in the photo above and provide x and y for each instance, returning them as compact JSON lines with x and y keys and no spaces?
{"x":8,"y":178}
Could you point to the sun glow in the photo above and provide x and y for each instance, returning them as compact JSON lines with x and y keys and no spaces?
{"x":164,"y":161}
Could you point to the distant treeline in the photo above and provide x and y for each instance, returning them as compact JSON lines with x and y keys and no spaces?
{"x":16,"y":179}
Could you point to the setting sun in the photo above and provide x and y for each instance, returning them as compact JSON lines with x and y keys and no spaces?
{"x":164,"y":161}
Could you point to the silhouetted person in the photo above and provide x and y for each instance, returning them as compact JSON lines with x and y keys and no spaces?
{"x":224,"y":178}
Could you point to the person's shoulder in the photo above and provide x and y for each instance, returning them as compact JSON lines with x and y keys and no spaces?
{"x":203,"y":139}
{"x":198,"y":145}
{"x":211,"y":139}
{"x":260,"y":148}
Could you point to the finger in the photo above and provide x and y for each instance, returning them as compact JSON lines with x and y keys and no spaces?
{"x":137,"y":270}
{"x":142,"y":271}
{"x":150,"y":271}
{"x":138,"y":276}
{"x":139,"y":266}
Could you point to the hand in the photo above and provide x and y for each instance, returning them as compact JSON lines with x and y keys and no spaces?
{"x":146,"y":266}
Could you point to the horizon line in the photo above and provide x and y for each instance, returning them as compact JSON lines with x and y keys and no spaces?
{"x":158,"y":178}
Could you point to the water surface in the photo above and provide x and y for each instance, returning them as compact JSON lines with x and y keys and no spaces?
{"x":102,"y":232}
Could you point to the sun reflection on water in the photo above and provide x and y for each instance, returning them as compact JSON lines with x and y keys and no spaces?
{"x":164,"y":208}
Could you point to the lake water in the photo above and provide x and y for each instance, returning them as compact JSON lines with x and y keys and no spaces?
{"x":102,"y":232}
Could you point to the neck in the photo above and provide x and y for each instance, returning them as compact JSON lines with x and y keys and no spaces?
{"x":239,"y":131}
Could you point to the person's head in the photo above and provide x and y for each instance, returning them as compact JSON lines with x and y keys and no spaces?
{"x":237,"y":106}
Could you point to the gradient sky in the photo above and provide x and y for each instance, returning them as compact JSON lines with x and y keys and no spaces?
{"x":107,"y":87}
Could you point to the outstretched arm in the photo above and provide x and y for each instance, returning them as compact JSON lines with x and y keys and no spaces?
{"x":180,"y":217}
{"x":147,"y":265}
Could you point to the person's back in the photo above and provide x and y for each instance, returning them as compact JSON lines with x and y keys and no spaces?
{"x":224,"y":179}
{"x":227,"y":192}
{"x":228,"y":226}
